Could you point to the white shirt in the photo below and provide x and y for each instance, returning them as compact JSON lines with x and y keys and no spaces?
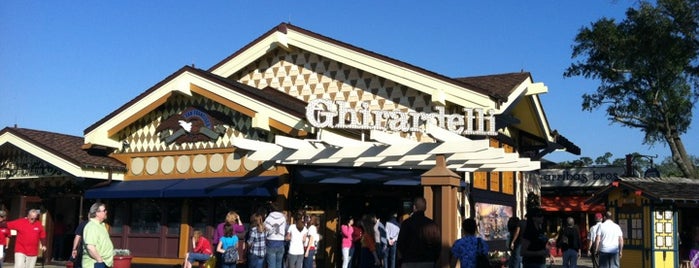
{"x":592,"y":235}
{"x":313,"y":233}
{"x":392,"y":231}
{"x":609,"y":234}
{"x":296,"y":242}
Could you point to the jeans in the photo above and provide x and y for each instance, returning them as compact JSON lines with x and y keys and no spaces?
{"x":255,"y":261}
{"x":609,"y":260}
{"x":308,"y":261}
{"x":345,"y":257}
{"x":295,"y":261}
{"x":390,"y":257}
{"x":197,"y":257}
{"x":228,"y":265}
{"x":515,"y":260}
{"x":274,"y":257}
{"x":570,"y":258}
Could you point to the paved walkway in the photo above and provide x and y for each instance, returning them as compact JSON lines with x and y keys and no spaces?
{"x":583,"y":262}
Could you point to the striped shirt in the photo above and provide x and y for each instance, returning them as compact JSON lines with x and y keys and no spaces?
{"x":257,"y":242}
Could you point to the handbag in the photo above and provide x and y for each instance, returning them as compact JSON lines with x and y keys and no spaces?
{"x":482,"y":260}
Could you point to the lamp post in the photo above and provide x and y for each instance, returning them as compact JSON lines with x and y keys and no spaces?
{"x":650,"y":172}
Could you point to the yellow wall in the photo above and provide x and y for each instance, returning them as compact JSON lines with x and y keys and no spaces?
{"x":667,"y":262}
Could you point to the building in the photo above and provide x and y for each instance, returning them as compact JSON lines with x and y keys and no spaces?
{"x":320,"y":125}
{"x":657,"y":217}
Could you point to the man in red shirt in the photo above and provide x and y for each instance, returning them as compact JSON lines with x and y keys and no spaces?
{"x":4,"y":237}
{"x":30,"y":238}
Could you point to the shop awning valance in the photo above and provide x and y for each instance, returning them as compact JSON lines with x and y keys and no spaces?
{"x":387,"y":151}
{"x":262,"y":186}
{"x":569,"y":203}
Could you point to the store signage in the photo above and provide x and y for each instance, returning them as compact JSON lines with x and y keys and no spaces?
{"x":192,"y":125}
{"x":580,"y":177}
{"x":326,"y":113}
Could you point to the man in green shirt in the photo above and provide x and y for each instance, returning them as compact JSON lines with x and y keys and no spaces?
{"x":98,"y":245}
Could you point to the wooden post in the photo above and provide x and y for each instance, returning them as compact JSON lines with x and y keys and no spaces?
{"x":440,"y":189}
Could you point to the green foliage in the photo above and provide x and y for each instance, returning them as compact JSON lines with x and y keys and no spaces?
{"x":648,"y":68}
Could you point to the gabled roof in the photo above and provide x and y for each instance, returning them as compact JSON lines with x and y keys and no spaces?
{"x":498,"y":84}
{"x":670,"y":189}
{"x":62,"y":151}
{"x":252,"y":102}
{"x":286,"y":36}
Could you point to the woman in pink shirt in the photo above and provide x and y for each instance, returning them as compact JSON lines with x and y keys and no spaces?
{"x":347,"y":231}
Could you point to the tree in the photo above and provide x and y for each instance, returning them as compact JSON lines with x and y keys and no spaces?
{"x":648,"y":66}
{"x":603,"y":160}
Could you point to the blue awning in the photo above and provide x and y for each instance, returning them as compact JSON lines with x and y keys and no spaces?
{"x":131,"y":189}
{"x":216,"y":187}
{"x":262,"y":186}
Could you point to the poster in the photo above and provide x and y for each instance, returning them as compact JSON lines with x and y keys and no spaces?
{"x":492,"y":221}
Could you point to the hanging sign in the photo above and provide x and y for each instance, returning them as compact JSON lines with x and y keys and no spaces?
{"x":326,"y":113}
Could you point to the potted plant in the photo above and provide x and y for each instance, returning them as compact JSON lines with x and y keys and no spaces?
{"x":122,"y":258}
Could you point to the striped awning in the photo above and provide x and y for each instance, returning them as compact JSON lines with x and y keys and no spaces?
{"x":387,"y":151}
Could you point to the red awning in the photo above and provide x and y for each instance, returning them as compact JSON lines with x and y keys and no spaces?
{"x":569,"y":203}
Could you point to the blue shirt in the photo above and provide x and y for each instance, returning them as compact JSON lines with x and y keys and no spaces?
{"x":465,"y":249}
{"x":228,"y":241}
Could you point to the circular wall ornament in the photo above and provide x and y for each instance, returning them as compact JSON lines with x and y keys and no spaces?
{"x":167,"y":165}
{"x":216,"y":162}
{"x":233,"y":162}
{"x":137,"y":166}
{"x":250,"y":164}
{"x":152,"y":165}
{"x":183,"y":164}
{"x":199,"y":163}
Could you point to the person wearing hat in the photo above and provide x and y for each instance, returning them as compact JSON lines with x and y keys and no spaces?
{"x":4,"y":237}
{"x":534,"y":240}
{"x":591,"y":250}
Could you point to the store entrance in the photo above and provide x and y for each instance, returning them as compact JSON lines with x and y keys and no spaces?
{"x":336,"y":201}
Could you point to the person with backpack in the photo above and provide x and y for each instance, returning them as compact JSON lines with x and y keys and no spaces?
{"x":228,"y":247}
{"x":276,"y":226}
{"x":569,"y":243}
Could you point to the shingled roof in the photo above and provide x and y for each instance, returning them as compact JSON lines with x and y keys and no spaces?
{"x":500,"y":85}
{"x":67,"y":147}
{"x":670,"y":189}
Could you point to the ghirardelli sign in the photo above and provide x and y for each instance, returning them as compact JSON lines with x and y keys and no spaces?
{"x":192,"y":125}
{"x":326,"y":113}
{"x":580,"y":177}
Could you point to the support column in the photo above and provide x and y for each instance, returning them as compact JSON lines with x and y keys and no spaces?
{"x":440,"y":190}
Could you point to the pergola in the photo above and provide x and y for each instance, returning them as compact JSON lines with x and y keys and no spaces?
{"x":387,"y":150}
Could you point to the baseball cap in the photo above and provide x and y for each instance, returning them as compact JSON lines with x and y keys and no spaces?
{"x":598,"y":216}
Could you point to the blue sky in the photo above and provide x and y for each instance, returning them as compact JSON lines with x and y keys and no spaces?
{"x":64,"y":66}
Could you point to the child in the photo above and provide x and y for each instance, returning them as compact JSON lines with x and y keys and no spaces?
{"x":201,"y":252}
{"x":228,"y":240}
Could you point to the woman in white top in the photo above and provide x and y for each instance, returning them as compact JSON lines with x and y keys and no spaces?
{"x":296,"y":236}
{"x":312,"y":241}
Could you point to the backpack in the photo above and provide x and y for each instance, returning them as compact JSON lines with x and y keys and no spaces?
{"x":482,"y":260}
{"x":230,"y":255}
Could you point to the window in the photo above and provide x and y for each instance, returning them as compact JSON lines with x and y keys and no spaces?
{"x":146,"y":217}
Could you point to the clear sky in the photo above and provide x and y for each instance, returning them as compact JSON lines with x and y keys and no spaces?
{"x":64,"y":65}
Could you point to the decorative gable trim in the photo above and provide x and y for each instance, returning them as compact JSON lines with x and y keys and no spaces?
{"x":187,"y":81}
{"x":287,"y":36}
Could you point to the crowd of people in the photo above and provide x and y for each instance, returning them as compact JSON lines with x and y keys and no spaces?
{"x":276,"y":240}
